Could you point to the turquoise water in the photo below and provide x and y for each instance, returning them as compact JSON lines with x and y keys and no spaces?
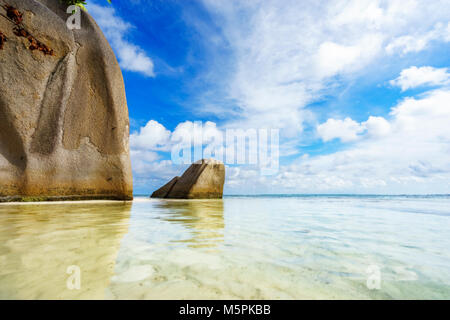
{"x":241,"y":247}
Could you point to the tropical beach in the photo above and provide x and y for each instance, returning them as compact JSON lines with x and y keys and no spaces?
{"x":224,"y":150}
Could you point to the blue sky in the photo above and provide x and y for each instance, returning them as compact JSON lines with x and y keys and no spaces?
{"x":358,"y":89}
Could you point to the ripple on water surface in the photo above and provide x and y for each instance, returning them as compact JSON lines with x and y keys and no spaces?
{"x":239,"y":247}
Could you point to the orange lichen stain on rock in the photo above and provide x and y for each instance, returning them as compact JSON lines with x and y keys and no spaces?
{"x":14,"y":14}
{"x":34,"y":43}
{"x":3,"y":39}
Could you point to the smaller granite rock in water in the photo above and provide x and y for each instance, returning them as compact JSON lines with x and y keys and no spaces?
{"x":204,"y":179}
{"x":164,"y":190}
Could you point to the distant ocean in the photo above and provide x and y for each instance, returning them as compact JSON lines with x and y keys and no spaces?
{"x":241,"y":247}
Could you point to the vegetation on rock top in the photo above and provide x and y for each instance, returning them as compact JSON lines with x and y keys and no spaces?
{"x":80,"y":3}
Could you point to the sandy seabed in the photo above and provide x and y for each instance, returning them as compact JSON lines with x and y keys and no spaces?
{"x":236,"y":248}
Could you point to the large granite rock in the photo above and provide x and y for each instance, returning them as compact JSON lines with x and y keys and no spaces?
{"x":64,"y":119}
{"x":204,"y":179}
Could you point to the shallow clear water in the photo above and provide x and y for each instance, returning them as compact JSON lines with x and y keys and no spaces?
{"x":314,"y":247}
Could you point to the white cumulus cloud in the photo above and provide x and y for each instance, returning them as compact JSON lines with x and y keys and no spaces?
{"x":284,"y":55}
{"x":377,"y":127}
{"x":153,"y":136}
{"x":131,"y":57}
{"x":346,"y":130}
{"x":408,"y":152}
{"x":419,"y":41}
{"x":414,"y":77}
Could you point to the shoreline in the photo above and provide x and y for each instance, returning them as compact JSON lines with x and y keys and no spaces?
{"x":147,"y":198}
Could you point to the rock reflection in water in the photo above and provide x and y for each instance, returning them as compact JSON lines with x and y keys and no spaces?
{"x":203,"y":218}
{"x":39,"y":242}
